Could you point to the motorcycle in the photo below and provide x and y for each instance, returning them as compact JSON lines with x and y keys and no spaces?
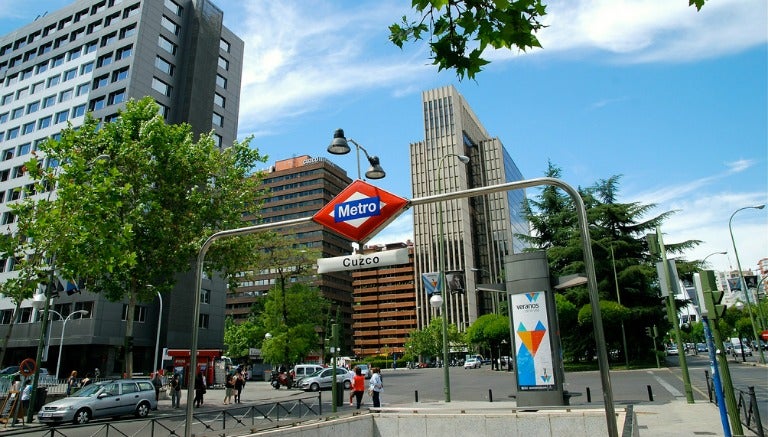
{"x":281,"y":379}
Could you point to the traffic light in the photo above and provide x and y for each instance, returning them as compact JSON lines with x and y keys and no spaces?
{"x":712,"y":296}
{"x":648,"y":331}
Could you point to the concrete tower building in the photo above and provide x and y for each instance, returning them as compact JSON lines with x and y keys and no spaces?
{"x":479,"y":232}
{"x":92,"y":56}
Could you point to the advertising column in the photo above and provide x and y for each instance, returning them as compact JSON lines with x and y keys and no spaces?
{"x":536,"y":334}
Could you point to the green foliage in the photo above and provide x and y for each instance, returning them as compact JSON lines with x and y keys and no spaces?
{"x":488,"y":330}
{"x":428,"y":342}
{"x":240,"y":337}
{"x":136,"y":198}
{"x":460,"y":30}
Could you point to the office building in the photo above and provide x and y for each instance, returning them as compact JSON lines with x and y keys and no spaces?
{"x":480,"y":231}
{"x":384,"y":310}
{"x":92,"y":56}
{"x":299,"y":187}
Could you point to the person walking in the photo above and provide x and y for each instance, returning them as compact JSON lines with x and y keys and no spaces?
{"x":71,"y":382}
{"x":376,"y":387}
{"x":229,"y":386}
{"x":175,"y":391}
{"x":239,"y":384}
{"x":157,"y":382}
{"x":199,"y":389}
{"x":358,"y":386}
{"x":26,"y":395}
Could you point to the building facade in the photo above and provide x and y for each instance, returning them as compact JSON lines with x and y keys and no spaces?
{"x":92,"y":56}
{"x":299,"y":187}
{"x":479,"y":232}
{"x":384,"y":310}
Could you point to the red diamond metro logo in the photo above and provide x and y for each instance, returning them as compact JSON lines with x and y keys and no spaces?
{"x":360,"y":210}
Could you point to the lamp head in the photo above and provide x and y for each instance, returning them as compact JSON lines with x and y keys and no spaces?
{"x":375,"y":172}
{"x":436,"y":301}
{"x":339,"y":145}
{"x":38,"y":301}
{"x":463,"y":158}
{"x":267,"y":335}
{"x":760,"y":206}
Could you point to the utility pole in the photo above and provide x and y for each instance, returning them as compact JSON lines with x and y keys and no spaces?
{"x":665,"y":278}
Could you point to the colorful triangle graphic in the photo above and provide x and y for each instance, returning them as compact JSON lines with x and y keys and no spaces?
{"x":532,"y":339}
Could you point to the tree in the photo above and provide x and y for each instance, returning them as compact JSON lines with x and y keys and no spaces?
{"x":428,"y":342}
{"x":460,"y":30}
{"x":136,"y":199}
{"x":488,"y":331}
{"x":240,"y":337}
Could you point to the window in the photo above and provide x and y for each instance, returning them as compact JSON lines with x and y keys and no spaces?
{"x":16,"y":113}
{"x":20,"y":94}
{"x":74,"y":54}
{"x":221,"y":81}
{"x":127,"y":31}
{"x":95,"y":26}
{"x":3,"y":117}
{"x":77,"y":34}
{"x":41,"y":68}
{"x":161,"y":87}
{"x":112,"y":18}
{"x":58,"y":60}
{"x":224,"y":45}
{"x":8,"y":98}
{"x":100,"y":81}
{"x":15,"y":194}
{"x":173,"y":7}
{"x":4,"y":175}
{"x":204,"y":321}
{"x":49,"y":101}
{"x":120,"y":74}
{"x":104,"y":60}
{"x":18,"y":171}
{"x":223,"y":63}
{"x":218,"y":99}
{"x":83,"y":89}
{"x":6,"y":316}
{"x":28,"y":128}
{"x":139,"y":313}
{"x":97,"y":104}
{"x":86,"y":68}
{"x":33,"y":107}
{"x":217,"y":140}
{"x":217,"y":120}
{"x":169,"y":25}
{"x":44,"y":122}
{"x":163,"y":65}
{"x":205,"y":296}
{"x":69,"y":74}
{"x":78,"y":111}
{"x":85,"y":306}
{"x":35,"y":87}
{"x":12,"y":133}
{"x":26,"y":314}
{"x":116,"y":97}
{"x":8,"y":154}
{"x":66,"y":95}
{"x":61,"y":117}
{"x":163,"y":110}
{"x":108,"y":39}
{"x":124,"y":52}
{"x":91,"y":46}
{"x":54,"y":80}
{"x":45,"y":48}
{"x":131,"y":11}
{"x":30,"y":55}
{"x":166,"y":45}
{"x":26,"y":74}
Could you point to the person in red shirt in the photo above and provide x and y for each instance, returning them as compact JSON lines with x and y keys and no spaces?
{"x":358,"y":386}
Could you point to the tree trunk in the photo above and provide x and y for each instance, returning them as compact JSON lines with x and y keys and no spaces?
{"x":7,"y":338}
{"x":129,"y":333}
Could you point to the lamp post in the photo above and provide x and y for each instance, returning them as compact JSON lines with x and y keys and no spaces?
{"x":714,"y":253}
{"x":340,"y":146}
{"x":741,"y":276}
{"x":618,"y":300}
{"x":441,"y":248}
{"x":157,"y":338}
{"x":83,"y":313}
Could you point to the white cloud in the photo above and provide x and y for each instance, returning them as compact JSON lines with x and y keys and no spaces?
{"x":740,"y":165}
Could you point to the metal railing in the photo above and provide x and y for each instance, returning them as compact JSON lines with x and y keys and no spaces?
{"x":224,"y":422}
{"x":749,"y":414}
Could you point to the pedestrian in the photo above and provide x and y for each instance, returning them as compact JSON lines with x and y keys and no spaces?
{"x":229,"y":386}
{"x":26,"y":394}
{"x":239,"y":384}
{"x":71,"y":382}
{"x":86,"y":380}
{"x":16,"y":385}
{"x":175,"y":391}
{"x":157,"y":382}
{"x":358,"y":386}
{"x":376,"y":387}
{"x":199,"y":389}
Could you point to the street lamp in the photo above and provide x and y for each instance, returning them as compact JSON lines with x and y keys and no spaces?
{"x":714,"y":253}
{"x":446,"y":375}
{"x":61,"y":339}
{"x":741,"y":276}
{"x":159,"y":325}
{"x":340,"y":146}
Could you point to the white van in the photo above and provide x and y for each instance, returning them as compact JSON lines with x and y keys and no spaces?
{"x":301,"y":370}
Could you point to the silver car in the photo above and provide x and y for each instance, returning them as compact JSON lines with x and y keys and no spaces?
{"x":102,"y":399}
{"x":324,"y":379}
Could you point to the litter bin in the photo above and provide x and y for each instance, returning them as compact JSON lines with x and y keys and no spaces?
{"x":339,"y":394}
{"x":40,"y":396}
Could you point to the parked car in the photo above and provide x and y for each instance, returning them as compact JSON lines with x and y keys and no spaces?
{"x":736,"y":351}
{"x":366,"y":370}
{"x":10,"y":370}
{"x":472,"y":363}
{"x":324,"y":378}
{"x":101,"y":399}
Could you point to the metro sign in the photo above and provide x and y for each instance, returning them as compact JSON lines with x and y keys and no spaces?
{"x":360,"y":210}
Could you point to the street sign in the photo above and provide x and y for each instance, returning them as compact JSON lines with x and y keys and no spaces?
{"x":363,"y":261}
{"x":360,"y":210}
{"x":27,"y":367}
{"x":764,"y":335}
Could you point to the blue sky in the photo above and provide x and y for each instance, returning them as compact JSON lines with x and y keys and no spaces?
{"x":672,"y":99}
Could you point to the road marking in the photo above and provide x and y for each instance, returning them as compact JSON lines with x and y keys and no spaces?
{"x":671,"y":389}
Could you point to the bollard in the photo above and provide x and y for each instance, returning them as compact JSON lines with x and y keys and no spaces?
{"x":650,"y":393}
{"x":490,"y":395}
{"x":589,"y":395}
{"x":416,"y":395}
